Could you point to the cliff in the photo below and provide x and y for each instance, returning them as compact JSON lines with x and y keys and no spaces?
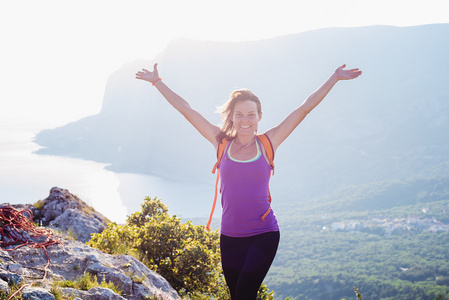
{"x":56,"y":252}
{"x":390,"y":123}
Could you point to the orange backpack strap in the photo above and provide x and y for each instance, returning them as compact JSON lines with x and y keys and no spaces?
{"x":220,"y":151}
{"x":263,"y":138}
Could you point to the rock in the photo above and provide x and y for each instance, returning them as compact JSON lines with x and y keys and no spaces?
{"x":96,"y":293}
{"x":17,"y":269}
{"x":33,"y":293}
{"x":10,"y":278}
{"x":59,"y":201}
{"x":79,"y":224}
{"x":4,"y":286}
{"x":71,"y":259}
{"x":99,"y":293}
{"x":66,"y":212}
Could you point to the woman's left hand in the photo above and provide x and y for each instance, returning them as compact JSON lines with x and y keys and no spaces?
{"x":347,"y":74}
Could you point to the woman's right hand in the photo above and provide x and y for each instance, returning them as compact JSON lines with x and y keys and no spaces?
{"x":204,"y":127}
{"x":148,"y":76}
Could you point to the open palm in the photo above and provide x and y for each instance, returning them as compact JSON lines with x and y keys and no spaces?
{"x":147,"y":75}
{"x":343,"y":74}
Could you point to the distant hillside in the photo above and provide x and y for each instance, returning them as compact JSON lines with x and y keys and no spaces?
{"x":391,"y":123}
{"x":389,"y":239}
{"x":387,"y":196}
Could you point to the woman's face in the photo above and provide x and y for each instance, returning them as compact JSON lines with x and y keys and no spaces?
{"x":246,"y":117}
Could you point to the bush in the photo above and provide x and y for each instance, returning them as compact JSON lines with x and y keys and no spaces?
{"x":184,"y":254}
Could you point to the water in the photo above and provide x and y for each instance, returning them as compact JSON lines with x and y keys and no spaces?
{"x":26,"y":177}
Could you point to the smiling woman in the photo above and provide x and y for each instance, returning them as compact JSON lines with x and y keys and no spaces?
{"x":249,"y":228}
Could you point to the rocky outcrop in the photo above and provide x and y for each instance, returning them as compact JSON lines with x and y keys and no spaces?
{"x":66,"y":211}
{"x":70,"y":259}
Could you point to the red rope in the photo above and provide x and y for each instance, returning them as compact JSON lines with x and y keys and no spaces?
{"x":13,"y":225}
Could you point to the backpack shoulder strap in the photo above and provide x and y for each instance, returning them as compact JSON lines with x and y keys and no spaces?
{"x":265,"y":140}
{"x":220,"y":151}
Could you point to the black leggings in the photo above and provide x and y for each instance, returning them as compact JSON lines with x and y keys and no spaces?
{"x":246,"y":261}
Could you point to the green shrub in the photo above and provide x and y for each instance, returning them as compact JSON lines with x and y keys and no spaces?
{"x":184,"y":254}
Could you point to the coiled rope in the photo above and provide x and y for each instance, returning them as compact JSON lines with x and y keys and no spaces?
{"x":14,"y":224}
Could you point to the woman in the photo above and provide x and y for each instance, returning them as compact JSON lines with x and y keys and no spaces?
{"x":248,"y":244}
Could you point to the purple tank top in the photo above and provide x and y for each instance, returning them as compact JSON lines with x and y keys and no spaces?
{"x":244,"y":196}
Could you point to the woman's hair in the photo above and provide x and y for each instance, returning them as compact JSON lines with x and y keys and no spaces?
{"x":227,"y":129}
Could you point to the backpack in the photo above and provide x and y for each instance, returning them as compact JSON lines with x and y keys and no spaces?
{"x":221,"y":148}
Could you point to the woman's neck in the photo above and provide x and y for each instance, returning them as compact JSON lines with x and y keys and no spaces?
{"x":244,"y":141}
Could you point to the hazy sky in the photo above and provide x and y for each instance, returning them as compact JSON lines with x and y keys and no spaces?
{"x":56,"y":56}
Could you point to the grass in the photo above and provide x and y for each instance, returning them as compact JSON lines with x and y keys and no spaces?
{"x":4,"y":295}
{"x":86,"y":281}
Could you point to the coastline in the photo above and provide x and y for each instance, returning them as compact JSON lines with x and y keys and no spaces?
{"x":26,"y":177}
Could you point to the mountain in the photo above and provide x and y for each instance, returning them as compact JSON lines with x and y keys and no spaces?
{"x":390,"y":123}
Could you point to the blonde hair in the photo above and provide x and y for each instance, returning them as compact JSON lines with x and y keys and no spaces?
{"x":227,"y":129}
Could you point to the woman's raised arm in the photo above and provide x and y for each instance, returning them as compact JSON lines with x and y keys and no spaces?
{"x":280,"y":132}
{"x":207,"y":129}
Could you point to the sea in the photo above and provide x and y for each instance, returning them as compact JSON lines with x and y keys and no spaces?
{"x":26,"y":177}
